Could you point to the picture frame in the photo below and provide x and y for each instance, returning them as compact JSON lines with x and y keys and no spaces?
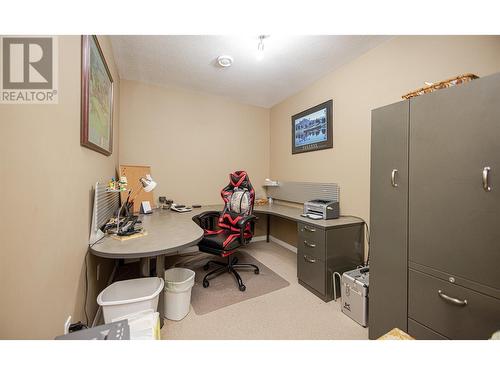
{"x":97,"y":103}
{"x":312,"y":129}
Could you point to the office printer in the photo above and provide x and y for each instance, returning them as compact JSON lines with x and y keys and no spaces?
{"x":321,"y":209}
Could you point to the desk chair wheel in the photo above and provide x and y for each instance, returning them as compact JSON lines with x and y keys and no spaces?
{"x":256,"y":271}
{"x":205,"y":282}
{"x":242,"y":288}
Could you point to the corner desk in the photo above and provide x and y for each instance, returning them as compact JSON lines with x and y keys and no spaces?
{"x":325,"y":246}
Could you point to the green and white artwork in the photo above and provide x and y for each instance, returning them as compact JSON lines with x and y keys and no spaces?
{"x":97,"y":108}
{"x":100,"y":92}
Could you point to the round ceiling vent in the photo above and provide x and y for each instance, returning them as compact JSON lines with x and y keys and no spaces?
{"x":225,"y":61}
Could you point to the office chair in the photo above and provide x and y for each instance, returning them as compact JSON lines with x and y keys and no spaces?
{"x":226,"y":231}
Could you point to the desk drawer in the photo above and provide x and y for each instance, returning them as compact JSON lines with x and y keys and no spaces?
{"x":311,"y":233}
{"x":451,"y":310}
{"x":311,"y":271}
{"x":311,"y":240}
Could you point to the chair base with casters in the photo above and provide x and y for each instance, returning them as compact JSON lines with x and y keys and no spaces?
{"x":230,"y":266}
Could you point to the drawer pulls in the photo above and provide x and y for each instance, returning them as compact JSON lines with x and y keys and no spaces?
{"x":309,"y":229}
{"x":309,"y":260}
{"x":454,"y":301}
{"x":308,"y":244}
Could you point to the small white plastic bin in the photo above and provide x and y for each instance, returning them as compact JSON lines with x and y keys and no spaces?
{"x":178,"y":285}
{"x":143,"y":325}
{"x":130,"y":296}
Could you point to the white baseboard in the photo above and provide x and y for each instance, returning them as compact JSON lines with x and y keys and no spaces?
{"x":283,"y":243}
{"x":276,"y":240}
{"x":258,"y":238}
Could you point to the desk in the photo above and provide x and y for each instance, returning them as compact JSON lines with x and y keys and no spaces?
{"x":169,"y":232}
{"x":293,"y":213}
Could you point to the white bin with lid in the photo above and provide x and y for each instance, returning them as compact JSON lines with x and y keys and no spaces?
{"x":178,"y":285}
{"x":130,"y":296}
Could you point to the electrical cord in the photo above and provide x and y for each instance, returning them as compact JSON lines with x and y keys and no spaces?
{"x":87,"y":280}
{"x":86,"y":288}
{"x":367,"y":235}
{"x":100,"y":239}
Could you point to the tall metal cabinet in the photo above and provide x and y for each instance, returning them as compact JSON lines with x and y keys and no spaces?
{"x":389,"y":218}
{"x":451,"y":222}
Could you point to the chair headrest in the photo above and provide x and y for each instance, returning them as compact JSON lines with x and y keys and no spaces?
{"x":239,"y":179}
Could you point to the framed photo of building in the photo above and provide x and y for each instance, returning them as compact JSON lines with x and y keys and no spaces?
{"x":96,"y":131}
{"x":312,"y":129}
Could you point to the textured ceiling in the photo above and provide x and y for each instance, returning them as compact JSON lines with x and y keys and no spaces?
{"x":290,"y":63}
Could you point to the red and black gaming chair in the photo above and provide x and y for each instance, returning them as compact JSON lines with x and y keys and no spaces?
{"x":226,"y":231}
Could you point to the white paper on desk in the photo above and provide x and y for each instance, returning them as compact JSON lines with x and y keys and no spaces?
{"x":145,"y":207}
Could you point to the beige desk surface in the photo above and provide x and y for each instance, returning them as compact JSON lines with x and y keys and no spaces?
{"x":169,"y":231}
{"x":293,"y":213}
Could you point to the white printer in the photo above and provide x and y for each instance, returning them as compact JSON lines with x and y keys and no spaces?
{"x":321,"y":209}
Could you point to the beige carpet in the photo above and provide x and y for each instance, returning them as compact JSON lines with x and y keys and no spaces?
{"x":288,"y":313}
{"x":223,"y":290}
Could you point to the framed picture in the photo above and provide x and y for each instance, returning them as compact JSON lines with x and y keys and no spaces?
{"x":312,"y":129}
{"x":96,"y":130}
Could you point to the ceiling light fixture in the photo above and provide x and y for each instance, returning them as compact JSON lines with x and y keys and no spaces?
{"x":225,"y":61}
{"x":260,"y":47}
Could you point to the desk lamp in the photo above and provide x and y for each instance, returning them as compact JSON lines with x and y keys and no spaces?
{"x":147,"y":184}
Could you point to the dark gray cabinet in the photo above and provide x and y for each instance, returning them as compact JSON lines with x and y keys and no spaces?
{"x":416,"y":329}
{"x":388,"y":219}
{"x":323,"y":251}
{"x":454,"y":219}
{"x":435,"y":247}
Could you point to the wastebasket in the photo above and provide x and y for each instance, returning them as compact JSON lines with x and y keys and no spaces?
{"x":178,"y":285}
{"x":130,"y":296}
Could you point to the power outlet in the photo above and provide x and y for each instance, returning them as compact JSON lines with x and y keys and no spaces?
{"x":98,"y":272}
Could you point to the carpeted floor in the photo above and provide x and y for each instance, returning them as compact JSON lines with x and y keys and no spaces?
{"x":288,"y":313}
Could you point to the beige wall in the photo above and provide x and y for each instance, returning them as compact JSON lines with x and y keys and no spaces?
{"x":192,"y":141}
{"x":375,"y":79}
{"x":47,"y":176}
{"x":46,"y":206}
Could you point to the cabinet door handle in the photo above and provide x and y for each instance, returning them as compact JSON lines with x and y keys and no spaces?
{"x":309,"y":260}
{"x":309,"y":229}
{"x":393,"y":178}
{"x":486,"y":179}
{"x":452,"y":300}
{"x":308,"y":244}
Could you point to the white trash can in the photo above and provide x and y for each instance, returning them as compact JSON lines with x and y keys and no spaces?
{"x":178,"y":285}
{"x":130,"y":296}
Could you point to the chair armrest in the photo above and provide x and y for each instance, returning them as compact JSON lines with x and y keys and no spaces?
{"x":243,"y":222}
{"x":242,"y":225}
{"x":203,"y":219}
